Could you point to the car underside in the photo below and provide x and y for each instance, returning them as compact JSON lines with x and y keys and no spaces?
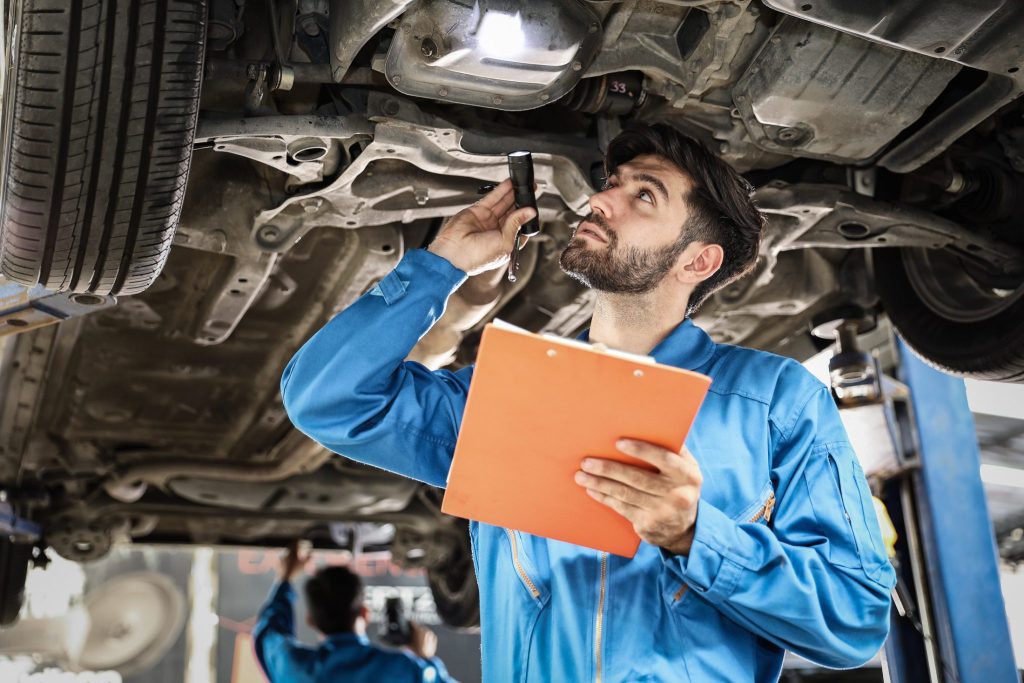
{"x":320,"y":140}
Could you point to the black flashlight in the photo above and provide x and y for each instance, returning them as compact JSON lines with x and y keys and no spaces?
{"x":520,"y":169}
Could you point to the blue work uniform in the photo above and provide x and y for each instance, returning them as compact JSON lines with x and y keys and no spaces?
{"x":345,"y":657}
{"x":786,"y":552}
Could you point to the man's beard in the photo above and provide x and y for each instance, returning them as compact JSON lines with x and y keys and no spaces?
{"x":636,"y":271}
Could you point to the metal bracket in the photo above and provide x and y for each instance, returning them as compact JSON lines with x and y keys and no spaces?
{"x":413,"y":168}
{"x":807,"y":215}
{"x":23,"y":309}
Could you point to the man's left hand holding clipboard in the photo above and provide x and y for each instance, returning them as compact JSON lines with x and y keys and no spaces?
{"x":661,"y":504}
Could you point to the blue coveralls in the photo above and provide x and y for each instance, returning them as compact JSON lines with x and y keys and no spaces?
{"x":787,"y":552}
{"x":340,"y":657}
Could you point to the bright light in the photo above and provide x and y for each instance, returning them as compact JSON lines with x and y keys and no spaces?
{"x":501,"y":35}
{"x":49,"y":592}
{"x":1000,"y":475}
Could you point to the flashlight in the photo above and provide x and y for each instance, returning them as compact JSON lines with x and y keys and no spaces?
{"x":520,"y":169}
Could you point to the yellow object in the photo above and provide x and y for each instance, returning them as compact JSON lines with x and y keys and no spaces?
{"x":888,"y":530}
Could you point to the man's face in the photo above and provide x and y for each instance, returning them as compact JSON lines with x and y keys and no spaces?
{"x":633,"y":235}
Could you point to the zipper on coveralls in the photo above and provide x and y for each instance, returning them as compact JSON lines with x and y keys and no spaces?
{"x":519,"y":567}
{"x":765,"y":513}
{"x":600,"y":618}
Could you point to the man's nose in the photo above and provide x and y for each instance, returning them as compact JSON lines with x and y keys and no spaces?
{"x":603,"y":203}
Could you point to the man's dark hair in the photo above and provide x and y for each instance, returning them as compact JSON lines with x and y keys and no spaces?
{"x":721,"y":211}
{"x":334,"y":596}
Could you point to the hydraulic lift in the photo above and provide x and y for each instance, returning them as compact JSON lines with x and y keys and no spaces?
{"x":916,"y":440}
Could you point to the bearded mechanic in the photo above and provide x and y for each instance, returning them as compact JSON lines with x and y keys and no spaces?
{"x":758,"y":537}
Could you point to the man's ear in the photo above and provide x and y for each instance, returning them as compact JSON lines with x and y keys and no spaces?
{"x":364,"y":612}
{"x":309,"y":621}
{"x":700,"y":261}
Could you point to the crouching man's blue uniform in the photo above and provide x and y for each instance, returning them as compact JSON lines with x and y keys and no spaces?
{"x":786,"y":553}
{"x":344,"y":657}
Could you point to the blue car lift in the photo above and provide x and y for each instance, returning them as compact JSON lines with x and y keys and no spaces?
{"x":949,"y":620}
{"x":957,"y":630}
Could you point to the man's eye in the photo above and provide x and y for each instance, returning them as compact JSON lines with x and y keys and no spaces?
{"x":645,"y":195}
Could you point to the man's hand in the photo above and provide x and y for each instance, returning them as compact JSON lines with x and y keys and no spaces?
{"x":293,"y":560}
{"x":662,"y":505}
{"x":423,"y":642}
{"x":480,"y":237}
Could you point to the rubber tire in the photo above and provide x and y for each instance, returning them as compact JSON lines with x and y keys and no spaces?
{"x":106,"y":96}
{"x":992,"y":349}
{"x":455,"y":590}
{"x":14,"y":559}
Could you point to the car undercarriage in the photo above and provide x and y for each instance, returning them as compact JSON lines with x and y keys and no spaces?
{"x":884,"y":144}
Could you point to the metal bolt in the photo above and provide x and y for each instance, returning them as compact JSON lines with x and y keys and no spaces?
{"x":443,"y":92}
{"x":498,"y":99}
{"x":397,"y":78}
{"x":789,"y":134}
{"x":577,"y":66}
{"x":545,"y":97}
{"x":312,"y":205}
{"x":428,"y":47}
{"x":87,"y":299}
{"x":391,"y":107}
{"x":269,"y":233}
{"x":592,"y":28}
{"x":724,"y":148}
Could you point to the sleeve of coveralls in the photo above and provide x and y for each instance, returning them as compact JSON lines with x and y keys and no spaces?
{"x":349,"y":389}
{"x":816,"y":581}
{"x":283,"y":658}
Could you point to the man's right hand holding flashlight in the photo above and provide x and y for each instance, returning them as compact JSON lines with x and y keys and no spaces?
{"x":480,"y":237}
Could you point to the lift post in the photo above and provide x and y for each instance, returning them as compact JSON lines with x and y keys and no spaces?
{"x":957,"y":631}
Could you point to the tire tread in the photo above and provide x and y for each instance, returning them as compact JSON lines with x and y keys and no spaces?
{"x":106,"y":96}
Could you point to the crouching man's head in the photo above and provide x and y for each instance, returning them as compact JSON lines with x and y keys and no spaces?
{"x":334,"y":602}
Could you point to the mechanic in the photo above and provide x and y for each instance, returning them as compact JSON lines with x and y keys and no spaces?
{"x":758,"y":537}
{"x":334,"y":600}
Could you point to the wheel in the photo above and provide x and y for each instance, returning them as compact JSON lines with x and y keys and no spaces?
{"x":14,"y":559}
{"x":100,"y":99}
{"x":953,"y":314}
{"x":453,"y":585}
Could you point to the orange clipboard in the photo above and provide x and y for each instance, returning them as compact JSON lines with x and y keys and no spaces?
{"x":537,"y":406}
